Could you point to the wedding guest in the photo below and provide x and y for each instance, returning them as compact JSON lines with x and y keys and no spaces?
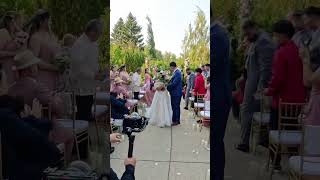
{"x":9,"y":45}
{"x":199,"y":84}
{"x":259,"y":63}
{"x":190,"y":85}
{"x":287,"y":75}
{"x":207,"y":70}
{"x":301,"y":33}
{"x":29,"y":89}
{"x":238,"y":94}
{"x":148,"y":87}
{"x":207,"y":86}
{"x":136,"y":83}
{"x":119,"y":88}
{"x":68,"y":40}
{"x":123,"y":74}
{"x":311,"y":65}
{"x":85,"y":67}
{"x":118,"y":106}
{"x":45,"y":46}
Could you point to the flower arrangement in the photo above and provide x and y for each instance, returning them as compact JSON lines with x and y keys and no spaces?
{"x":62,"y":61}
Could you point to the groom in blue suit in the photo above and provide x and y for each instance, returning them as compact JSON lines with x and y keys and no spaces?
{"x":175,"y":89}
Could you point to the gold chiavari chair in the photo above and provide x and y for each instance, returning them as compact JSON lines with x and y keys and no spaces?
{"x":287,"y":139}
{"x":198,"y":104}
{"x":306,"y":166}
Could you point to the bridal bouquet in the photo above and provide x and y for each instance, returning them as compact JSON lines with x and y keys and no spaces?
{"x":62,"y":61}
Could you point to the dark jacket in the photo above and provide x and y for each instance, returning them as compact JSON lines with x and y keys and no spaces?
{"x":175,"y":84}
{"x":25,"y":149}
{"x":127,"y":175}
{"x":118,"y":108}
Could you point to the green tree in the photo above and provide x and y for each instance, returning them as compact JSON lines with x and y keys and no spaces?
{"x":118,"y":32}
{"x":151,"y":49}
{"x":132,"y":32}
{"x":195,"y":45}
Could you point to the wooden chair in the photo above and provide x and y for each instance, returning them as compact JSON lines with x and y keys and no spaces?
{"x":285,"y":138}
{"x":306,"y":166}
{"x":260,"y":122}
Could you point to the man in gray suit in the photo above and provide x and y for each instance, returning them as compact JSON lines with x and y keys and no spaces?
{"x":190,"y":85}
{"x":259,"y":64}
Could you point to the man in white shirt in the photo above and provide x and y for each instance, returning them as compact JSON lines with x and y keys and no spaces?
{"x":85,"y":68}
{"x":136,"y":82}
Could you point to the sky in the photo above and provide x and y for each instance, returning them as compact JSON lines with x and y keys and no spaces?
{"x":170,"y":18}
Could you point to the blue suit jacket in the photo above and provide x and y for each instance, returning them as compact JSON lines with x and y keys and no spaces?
{"x":175,"y":85}
{"x":220,"y":59}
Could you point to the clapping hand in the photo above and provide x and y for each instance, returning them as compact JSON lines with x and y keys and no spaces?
{"x":120,"y":96}
{"x":36,"y":109}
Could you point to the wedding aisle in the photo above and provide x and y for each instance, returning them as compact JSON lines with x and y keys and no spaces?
{"x":172,"y":153}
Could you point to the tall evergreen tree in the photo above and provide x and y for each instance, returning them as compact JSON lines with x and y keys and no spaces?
{"x":150,"y":41}
{"x":117,"y":35}
{"x":132,"y":32}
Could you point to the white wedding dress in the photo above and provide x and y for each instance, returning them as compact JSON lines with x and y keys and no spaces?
{"x":160,"y":111}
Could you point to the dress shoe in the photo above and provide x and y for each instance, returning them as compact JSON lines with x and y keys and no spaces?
{"x":186,"y":108}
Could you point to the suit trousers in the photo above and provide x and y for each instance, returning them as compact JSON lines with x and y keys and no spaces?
{"x":175,"y":105}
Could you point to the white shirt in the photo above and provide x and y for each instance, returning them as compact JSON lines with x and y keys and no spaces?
{"x":84,"y":65}
{"x":136,"y":82}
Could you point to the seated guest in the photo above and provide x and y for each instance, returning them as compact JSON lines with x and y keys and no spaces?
{"x":287,"y":73}
{"x":118,"y":106}
{"x":199,"y":84}
{"x":119,"y":88}
{"x":25,"y":144}
{"x":29,"y":89}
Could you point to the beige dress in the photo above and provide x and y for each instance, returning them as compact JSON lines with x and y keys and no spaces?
{"x":46,"y":47}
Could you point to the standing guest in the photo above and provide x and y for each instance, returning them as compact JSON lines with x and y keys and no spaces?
{"x":207,"y":70}
{"x":123,"y":74}
{"x":311,"y":65}
{"x":85,"y":67}
{"x":148,"y":87}
{"x":287,"y":74}
{"x":219,"y":57}
{"x":190,"y":86}
{"x":136,"y":82}
{"x":203,"y":70}
{"x":237,"y":96}
{"x":45,"y":46}
{"x":207,"y":86}
{"x":113,"y":74}
{"x":9,"y":44}
{"x":259,"y":64}
{"x":199,"y":84}
{"x":119,"y":88}
{"x":301,"y":34}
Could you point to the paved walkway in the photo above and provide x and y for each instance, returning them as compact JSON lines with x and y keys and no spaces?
{"x":177,"y":154}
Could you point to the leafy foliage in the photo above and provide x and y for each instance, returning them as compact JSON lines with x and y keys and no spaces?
{"x":151,"y":49}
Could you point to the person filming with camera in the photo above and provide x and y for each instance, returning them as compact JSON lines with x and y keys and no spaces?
{"x":129,"y":163}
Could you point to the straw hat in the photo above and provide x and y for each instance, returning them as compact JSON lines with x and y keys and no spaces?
{"x":118,"y":80}
{"x":25,"y":59}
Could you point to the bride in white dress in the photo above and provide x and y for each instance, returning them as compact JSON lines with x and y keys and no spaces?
{"x":160,"y":112}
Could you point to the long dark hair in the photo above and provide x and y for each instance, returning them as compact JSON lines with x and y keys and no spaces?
{"x":5,"y":22}
{"x":34,"y":24}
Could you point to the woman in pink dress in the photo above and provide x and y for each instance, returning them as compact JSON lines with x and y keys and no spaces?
{"x":119,"y":88}
{"x":10,"y":43}
{"x":311,"y":78}
{"x":207,"y":96}
{"x":123,"y":74}
{"x":44,"y":45}
{"x":113,"y":74}
{"x":150,"y":91}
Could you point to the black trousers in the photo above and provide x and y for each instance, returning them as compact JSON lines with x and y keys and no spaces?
{"x":84,"y":107}
{"x":235,"y":108}
{"x":136,"y":95}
